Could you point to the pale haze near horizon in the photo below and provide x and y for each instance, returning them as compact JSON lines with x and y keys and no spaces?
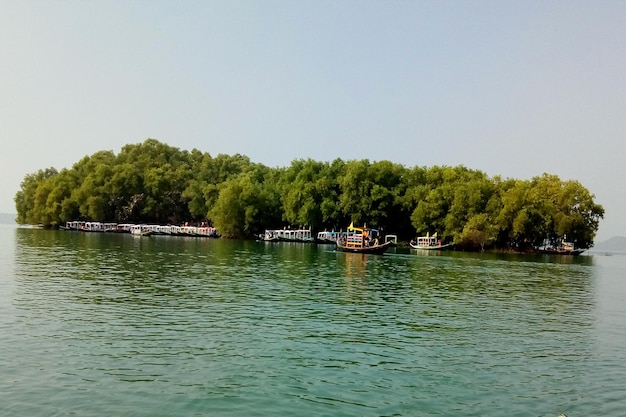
{"x":513,"y":89}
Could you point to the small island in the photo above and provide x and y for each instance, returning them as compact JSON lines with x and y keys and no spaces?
{"x":152,"y":182}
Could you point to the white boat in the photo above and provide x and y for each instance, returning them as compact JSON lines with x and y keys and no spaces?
{"x":326,"y":237}
{"x":93,"y":227}
{"x":297,"y":235}
{"x":142,"y":229}
{"x":75,"y":225}
{"x":429,"y":243}
{"x":207,"y":231}
{"x":392,"y":238}
{"x":560,"y":247}
{"x":124,"y":227}
{"x":304,"y":235}
{"x":270,"y":236}
{"x":139,"y":230}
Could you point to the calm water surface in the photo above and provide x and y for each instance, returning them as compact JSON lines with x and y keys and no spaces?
{"x":115,"y":325}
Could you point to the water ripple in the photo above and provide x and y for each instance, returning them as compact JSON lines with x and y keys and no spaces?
{"x":111,"y":325}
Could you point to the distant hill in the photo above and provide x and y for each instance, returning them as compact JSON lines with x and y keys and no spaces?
{"x":614,"y":244}
{"x":7,"y":218}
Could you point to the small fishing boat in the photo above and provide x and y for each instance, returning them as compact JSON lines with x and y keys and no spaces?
{"x":429,"y":243}
{"x":270,"y":236}
{"x":560,"y":247}
{"x":362,"y":240}
{"x":75,"y":225}
{"x":93,"y":227}
{"x":138,"y":230}
{"x":327,"y":237}
{"x":295,"y":235}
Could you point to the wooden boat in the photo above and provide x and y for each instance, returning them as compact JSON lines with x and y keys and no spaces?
{"x":287,"y":235}
{"x":375,"y":249}
{"x":326,"y":237}
{"x":207,"y":231}
{"x":138,"y":230}
{"x":295,"y":235}
{"x":362,"y":240}
{"x":429,"y":243}
{"x":75,"y":225}
{"x":304,"y":235}
{"x":558,"y":248}
{"x":559,"y":251}
{"x":143,"y":229}
{"x":269,"y":236}
{"x":120,"y":228}
{"x":93,"y":227}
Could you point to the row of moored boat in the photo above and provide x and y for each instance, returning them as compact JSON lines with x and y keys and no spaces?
{"x":142,"y":229}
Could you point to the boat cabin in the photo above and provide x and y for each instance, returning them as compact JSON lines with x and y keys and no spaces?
{"x":360,"y":237}
{"x":391,"y":238}
{"x":328,"y":237}
{"x":428,"y":240}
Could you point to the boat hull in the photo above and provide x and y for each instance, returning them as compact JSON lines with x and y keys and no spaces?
{"x":375,"y":250}
{"x":143,"y":233}
{"x":435,"y":247}
{"x":568,"y":252}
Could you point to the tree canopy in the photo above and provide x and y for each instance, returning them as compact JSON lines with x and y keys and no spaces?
{"x":154,"y":182}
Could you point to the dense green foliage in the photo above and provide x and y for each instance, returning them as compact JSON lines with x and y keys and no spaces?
{"x":153,"y":182}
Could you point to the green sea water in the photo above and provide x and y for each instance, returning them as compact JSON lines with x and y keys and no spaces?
{"x":116,"y":325}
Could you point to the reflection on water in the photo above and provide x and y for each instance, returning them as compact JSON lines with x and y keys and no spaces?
{"x":118,"y":325}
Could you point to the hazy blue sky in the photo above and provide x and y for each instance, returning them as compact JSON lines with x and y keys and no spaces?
{"x":509,"y":88}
